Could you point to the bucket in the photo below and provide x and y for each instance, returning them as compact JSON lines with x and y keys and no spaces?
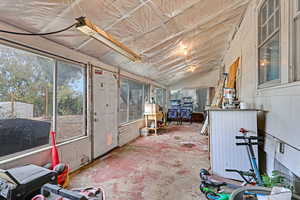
{"x":244,"y":106}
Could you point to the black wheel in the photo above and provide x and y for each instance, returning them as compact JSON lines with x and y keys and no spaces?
{"x":203,"y":174}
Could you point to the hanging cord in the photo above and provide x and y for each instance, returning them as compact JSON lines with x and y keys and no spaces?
{"x":38,"y":34}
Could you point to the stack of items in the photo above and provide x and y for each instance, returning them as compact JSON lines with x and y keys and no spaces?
{"x":31,"y":182}
{"x":186,"y":109}
{"x":174,"y":110}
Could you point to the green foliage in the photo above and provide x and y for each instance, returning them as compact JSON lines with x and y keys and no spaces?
{"x":69,"y":102}
{"x":277,"y":179}
{"x":28,"y":78}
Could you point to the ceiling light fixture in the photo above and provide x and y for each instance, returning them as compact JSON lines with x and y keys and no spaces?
{"x":183,"y":49}
{"x":90,"y":29}
{"x":192,"y":68}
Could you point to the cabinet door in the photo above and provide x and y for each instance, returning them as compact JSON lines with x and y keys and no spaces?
{"x":225,"y":125}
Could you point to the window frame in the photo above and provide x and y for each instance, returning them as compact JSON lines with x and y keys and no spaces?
{"x":55,"y":58}
{"x":85,"y":96}
{"x":294,"y":15}
{"x":128,"y":99}
{"x":269,"y":37}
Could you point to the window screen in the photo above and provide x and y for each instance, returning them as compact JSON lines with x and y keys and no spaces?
{"x":26,"y":93}
{"x":146,"y":93}
{"x":123,"y":107}
{"x":269,"y":57}
{"x":70,"y":101}
{"x":135,"y":100}
{"x":131,"y":100}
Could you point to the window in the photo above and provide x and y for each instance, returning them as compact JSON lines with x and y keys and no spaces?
{"x":124,"y":95}
{"x":296,"y":41}
{"x":70,"y":101}
{"x":160,"y":96}
{"x":26,"y":100}
{"x":146,"y":93}
{"x":132,"y":99}
{"x":27,"y":84}
{"x":268,"y":45}
{"x":135,"y":100}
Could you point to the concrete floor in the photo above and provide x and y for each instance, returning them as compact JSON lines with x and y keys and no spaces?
{"x":151,"y":168}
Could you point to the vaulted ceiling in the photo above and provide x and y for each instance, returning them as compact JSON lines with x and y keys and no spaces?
{"x":176,"y":38}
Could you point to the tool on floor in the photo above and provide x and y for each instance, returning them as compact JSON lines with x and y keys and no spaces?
{"x":22,"y":183}
{"x":54,"y":192}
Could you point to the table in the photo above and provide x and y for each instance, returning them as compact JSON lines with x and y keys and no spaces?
{"x":159,"y":116}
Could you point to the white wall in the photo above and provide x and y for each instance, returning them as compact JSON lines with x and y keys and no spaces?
{"x":282,"y":102}
{"x":21,"y":110}
{"x":204,"y":80}
{"x":129,"y":132}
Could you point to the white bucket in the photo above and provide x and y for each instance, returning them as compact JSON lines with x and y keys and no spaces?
{"x":244,"y":106}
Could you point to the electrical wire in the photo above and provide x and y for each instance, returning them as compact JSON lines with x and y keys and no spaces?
{"x":38,"y":34}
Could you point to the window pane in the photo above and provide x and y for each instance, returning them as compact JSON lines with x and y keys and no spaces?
{"x":264,"y":33}
{"x":271,"y":7}
{"x":271,"y":25}
{"x":277,"y":3}
{"x":124,"y":93}
{"x":277,"y":20}
{"x":26,"y":92}
{"x":135,"y":100}
{"x":160,"y":94}
{"x":269,"y":60}
{"x":70,"y":101}
{"x":263,"y":14}
{"x":146,"y":93}
{"x":297,"y":49}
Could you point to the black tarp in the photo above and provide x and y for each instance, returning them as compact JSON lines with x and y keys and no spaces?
{"x":22,"y":134}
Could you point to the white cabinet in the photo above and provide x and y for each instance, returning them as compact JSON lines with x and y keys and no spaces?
{"x":224,"y":154}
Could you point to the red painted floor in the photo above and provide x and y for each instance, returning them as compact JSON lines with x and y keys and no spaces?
{"x":160,"y":167}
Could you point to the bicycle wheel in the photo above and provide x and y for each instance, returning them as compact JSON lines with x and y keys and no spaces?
{"x":239,"y":193}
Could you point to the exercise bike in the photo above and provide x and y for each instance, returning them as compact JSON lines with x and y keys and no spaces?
{"x":214,"y":190}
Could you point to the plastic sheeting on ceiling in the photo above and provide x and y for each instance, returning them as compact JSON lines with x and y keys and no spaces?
{"x":159,"y":30}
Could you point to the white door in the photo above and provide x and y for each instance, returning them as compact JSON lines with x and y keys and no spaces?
{"x":105,"y":91}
